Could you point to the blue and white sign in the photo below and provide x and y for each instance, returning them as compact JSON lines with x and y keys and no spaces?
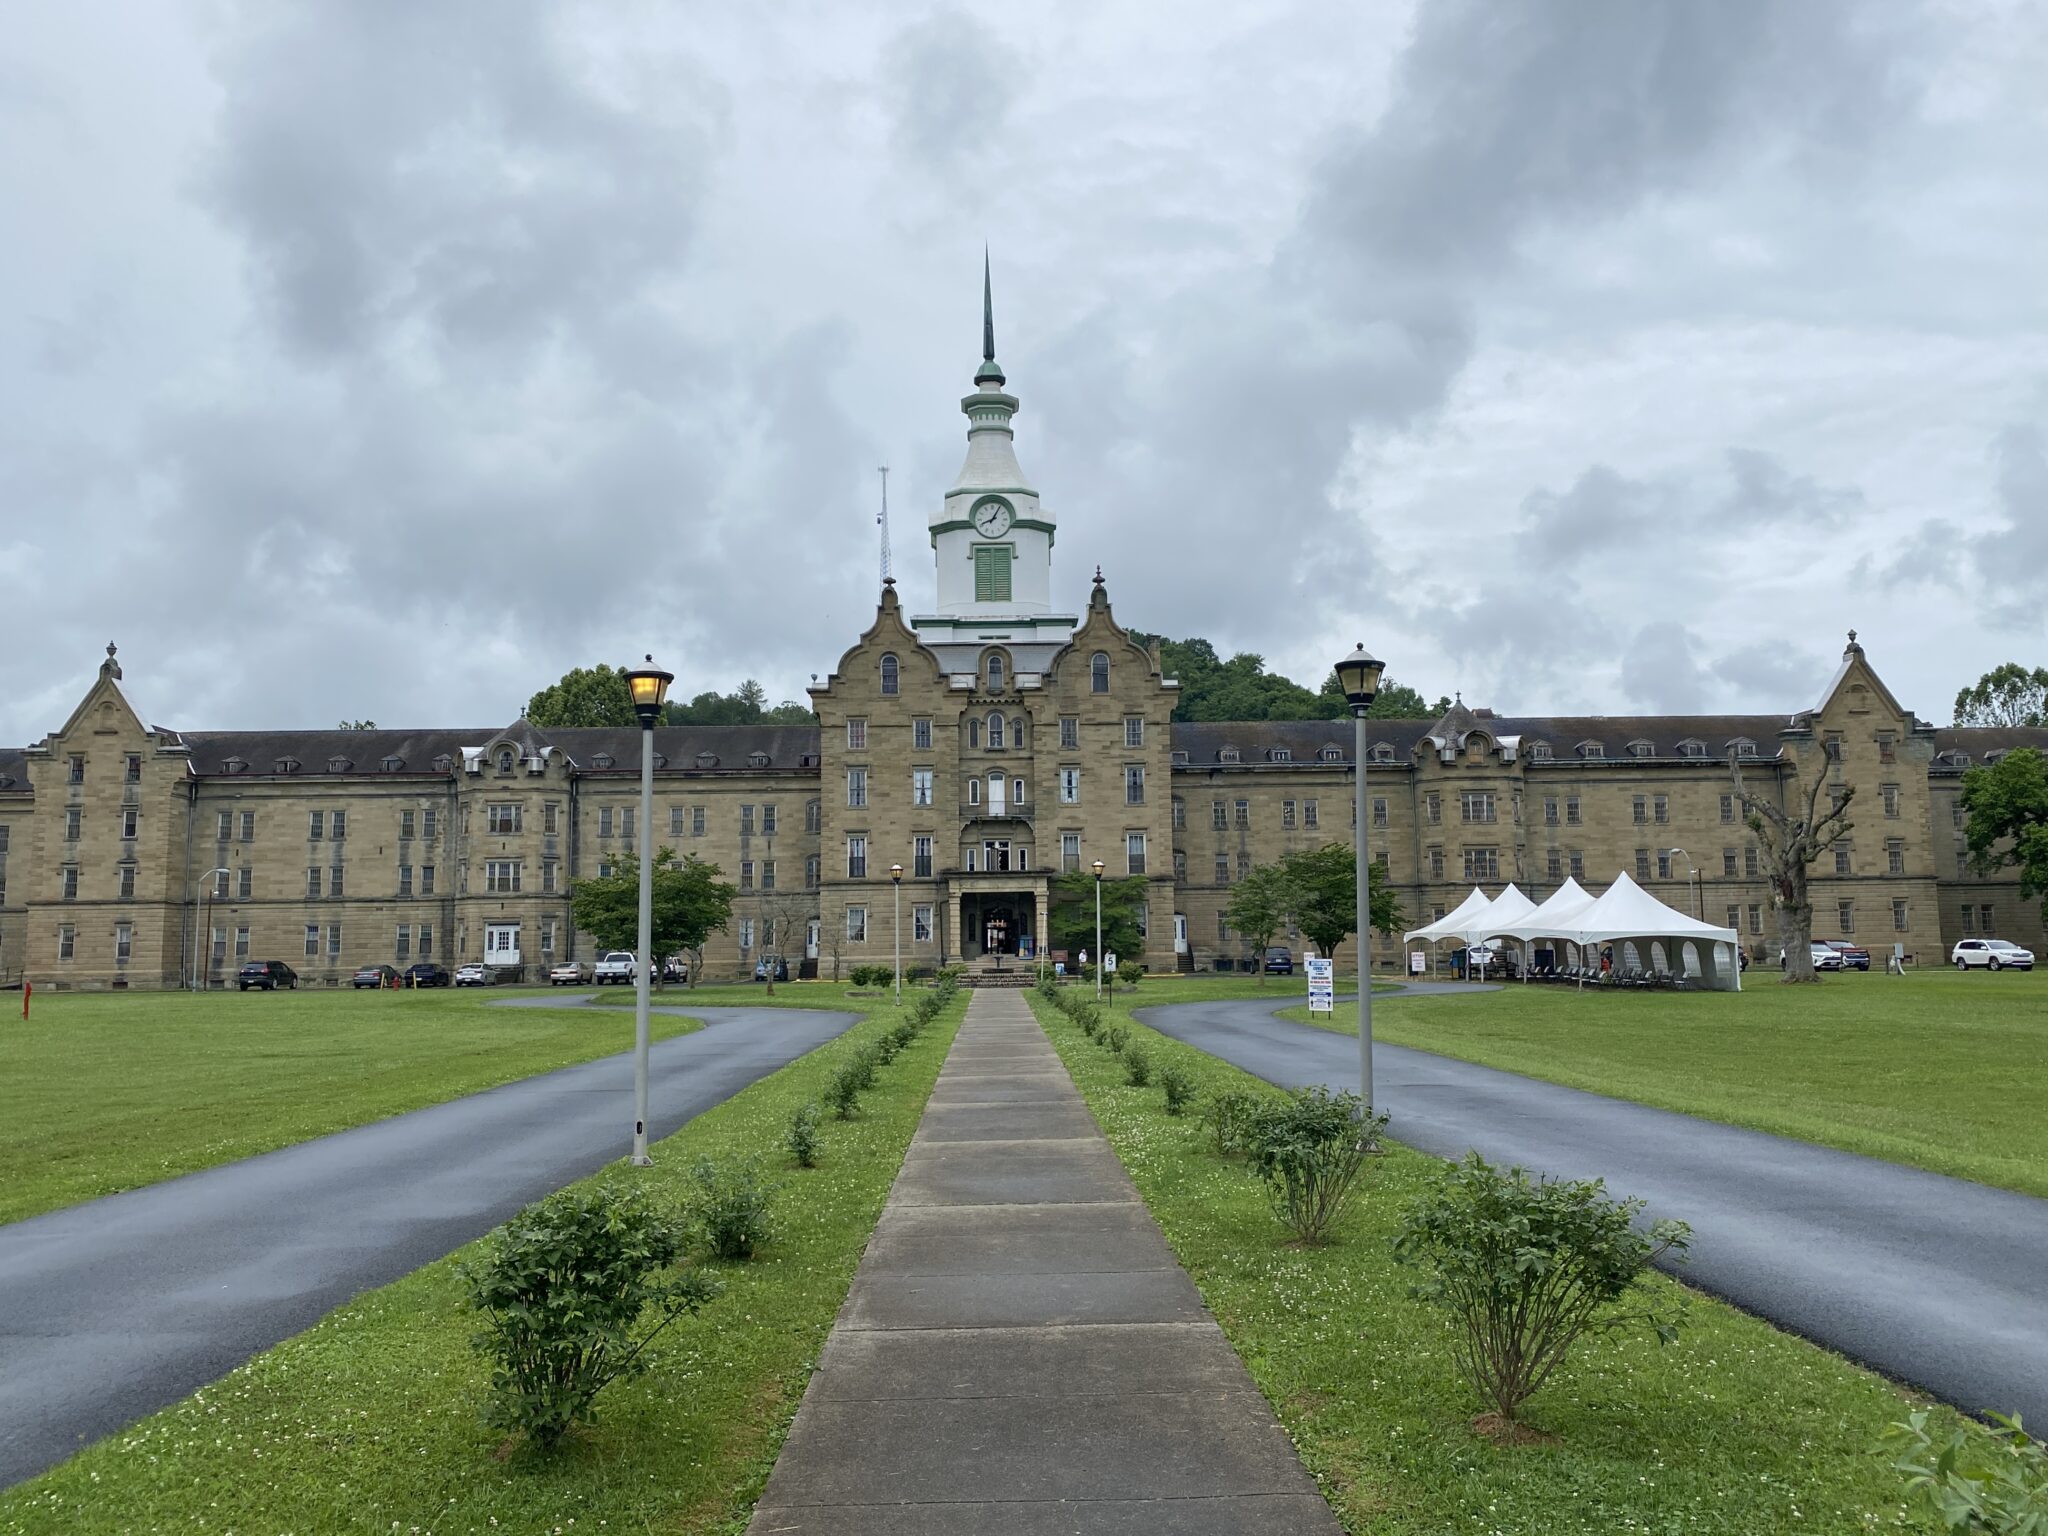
{"x":1322,"y":984}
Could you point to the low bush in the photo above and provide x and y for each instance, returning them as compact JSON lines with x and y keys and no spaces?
{"x":1137,"y":1065}
{"x":1179,"y":1086}
{"x":919,"y":973}
{"x":843,"y":1090}
{"x":885,"y":1047}
{"x":562,"y":1288}
{"x":904,"y":1033}
{"x":1974,"y":1481}
{"x":1089,"y":1019}
{"x":1309,"y":1149}
{"x":1231,"y":1116}
{"x":802,"y":1136}
{"x":729,"y":1208}
{"x":1527,"y":1268}
{"x":1113,"y":1039}
{"x":872,"y":976}
{"x":1130,"y":975}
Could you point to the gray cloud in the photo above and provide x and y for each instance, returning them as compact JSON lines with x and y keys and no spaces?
{"x":1661,"y":672}
{"x":949,"y":82}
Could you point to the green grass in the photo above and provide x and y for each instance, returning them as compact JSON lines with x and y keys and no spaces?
{"x":1943,"y":1071}
{"x":1737,"y":1429}
{"x":367,"y":1423}
{"x":102,"y":1093}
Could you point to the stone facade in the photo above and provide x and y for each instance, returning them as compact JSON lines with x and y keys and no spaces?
{"x":984,"y":748}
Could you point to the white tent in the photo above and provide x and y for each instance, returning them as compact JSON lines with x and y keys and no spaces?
{"x":1627,"y":914}
{"x":1555,"y":915}
{"x":1507,"y":909}
{"x":1452,"y":924}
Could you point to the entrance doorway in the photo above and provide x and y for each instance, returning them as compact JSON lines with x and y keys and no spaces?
{"x":998,"y":924}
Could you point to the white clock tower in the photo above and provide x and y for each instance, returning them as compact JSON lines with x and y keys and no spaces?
{"x":992,"y":540}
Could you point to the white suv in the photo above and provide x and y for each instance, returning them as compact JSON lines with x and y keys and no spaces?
{"x":1992,"y":954}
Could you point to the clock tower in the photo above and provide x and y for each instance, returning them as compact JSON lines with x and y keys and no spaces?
{"x":992,"y":540}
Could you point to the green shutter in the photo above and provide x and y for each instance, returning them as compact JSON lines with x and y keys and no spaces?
{"x":992,"y":572}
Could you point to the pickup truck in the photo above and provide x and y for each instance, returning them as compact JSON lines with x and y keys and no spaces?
{"x":618,"y":966}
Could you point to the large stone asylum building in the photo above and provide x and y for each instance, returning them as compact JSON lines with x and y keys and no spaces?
{"x":984,"y":747}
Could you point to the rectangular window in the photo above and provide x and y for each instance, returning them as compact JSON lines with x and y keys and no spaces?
{"x":1728,"y":808}
{"x":626,"y":823}
{"x":220,"y":885}
{"x":1550,"y":810}
{"x":316,"y":825}
{"x":402,"y":949}
{"x":1070,"y":786}
{"x":1845,"y":916}
{"x":74,"y":824}
{"x":1887,"y":747}
{"x":921,"y":734}
{"x":767,"y":874}
{"x":1070,"y":851}
{"x":1660,"y":809}
{"x":70,"y":886}
{"x":128,"y":821}
{"x":1223,"y":869}
{"x":1070,"y":732}
{"x":1308,"y":813}
{"x":1578,"y":864}
{"x":1180,"y":814}
{"x":334,"y":941}
{"x":920,"y":925}
{"x":1553,"y":864}
{"x":856,"y":788}
{"x":245,"y":882}
{"x":502,"y":876}
{"x":921,"y":857}
{"x":1728,"y":863}
{"x":1642,"y":863}
{"x":1241,"y":814}
{"x":1663,"y":864}
{"x":1833,"y":747}
{"x":248,"y":827}
{"x":1969,"y":919}
{"x":426,"y":879}
{"x":1482,"y":863}
{"x":1436,"y":863}
{"x":920,"y":786}
{"x":1756,"y":917}
{"x":1180,"y":864}
{"x":1571,"y":810}
{"x":1286,"y":814}
{"x":1433,"y":808}
{"x":1244,"y":865}
{"x":675,"y":821}
{"x":1134,"y":853}
{"x":1891,"y":800}
{"x":405,"y":879}
{"x":1750,"y":864}
{"x":746,"y":821}
{"x":1989,"y":920}
{"x":67,"y":941}
{"x":313,"y":880}
{"x":811,"y":868}
{"x":334,"y":881}
{"x":1222,"y":929}
{"x":1841,"y":860}
{"x":697,"y":819}
{"x":992,"y":573}
{"x":1899,"y":921}
{"x":857,"y":735}
{"x":767,"y":821}
{"x":857,"y":924}
{"x":547,"y":936}
{"x":337,"y":825}
{"x":1134,"y":784}
{"x":74,"y":769}
{"x":746,"y":874}
{"x":1640,"y":809}
{"x":224,"y":827}
{"x":856,"y":858}
{"x":127,"y":881}
{"x":503,"y":820}
{"x":134,"y":767}
{"x":1134,"y":730}
{"x":1219,"y":814}
{"x":312,"y":941}
{"x":1895,"y":856}
{"x":405,"y":823}
{"x":1735,"y":918}
{"x":604,"y":821}
{"x":124,"y":942}
{"x":220,"y":946}
{"x":1476,"y":805}
{"x":426,"y":941}
{"x":1955,"y":813}
{"x":746,"y":933}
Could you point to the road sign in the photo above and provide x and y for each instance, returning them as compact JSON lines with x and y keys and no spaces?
{"x":1322,"y":984}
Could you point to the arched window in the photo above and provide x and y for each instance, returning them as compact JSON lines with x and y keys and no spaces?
{"x":504,"y":760}
{"x":1017,"y":732}
{"x":890,"y":674}
{"x":1098,"y":673}
{"x":974,"y":733}
{"x":995,"y":673}
{"x":995,"y":724}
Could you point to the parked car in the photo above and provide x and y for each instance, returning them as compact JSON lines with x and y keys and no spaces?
{"x":1854,"y":956}
{"x":1824,"y":958}
{"x":569,"y":973}
{"x":472,"y":976}
{"x":615,"y":967}
{"x":427,"y":974}
{"x":761,"y":970}
{"x":374,"y":976}
{"x":1991,"y":955}
{"x":267,"y":974}
{"x":1279,"y":962}
{"x":676,"y":969}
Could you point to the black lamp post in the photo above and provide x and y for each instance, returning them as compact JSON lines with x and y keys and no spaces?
{"x":1358,"y":675}
{"x":1098,"y":929}
{"x":649,"y":687}
{"x":896,"y":928}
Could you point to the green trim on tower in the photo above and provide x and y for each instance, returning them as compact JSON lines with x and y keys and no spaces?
{"x":1023,"y":522}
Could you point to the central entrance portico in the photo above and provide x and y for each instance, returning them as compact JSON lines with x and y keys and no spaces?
{"x":999,"y":913}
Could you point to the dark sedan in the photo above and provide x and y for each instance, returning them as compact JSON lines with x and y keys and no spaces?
{"x":428,"y":974}
{"x":375,"y":976}
{"x":267,"y":974}
{"x":1279,"y":962}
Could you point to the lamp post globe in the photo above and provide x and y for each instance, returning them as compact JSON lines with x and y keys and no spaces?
{"x":1358,"y":675}
{"x":1098,"y":928}
{"x":896,"y":927}
{"x":648,"y":686}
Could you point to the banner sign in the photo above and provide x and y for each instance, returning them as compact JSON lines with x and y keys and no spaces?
{"x":1322,"y":984}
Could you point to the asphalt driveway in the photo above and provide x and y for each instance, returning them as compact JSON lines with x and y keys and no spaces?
{"x":1933,"y":1281}
{"x":112,"y":1309}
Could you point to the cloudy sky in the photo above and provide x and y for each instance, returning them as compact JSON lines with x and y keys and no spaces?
{"x":386,"y":359}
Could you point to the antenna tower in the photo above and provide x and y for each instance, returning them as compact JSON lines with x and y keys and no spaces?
{"x":882,"y":517}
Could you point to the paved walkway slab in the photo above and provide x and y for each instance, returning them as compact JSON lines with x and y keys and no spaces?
{"x":1020,"y":1353}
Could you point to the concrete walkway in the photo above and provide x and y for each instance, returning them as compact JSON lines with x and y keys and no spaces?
{"x":1020,"y":1353}
{"x":112,"y":1309}
{"x":1932,"y":1280}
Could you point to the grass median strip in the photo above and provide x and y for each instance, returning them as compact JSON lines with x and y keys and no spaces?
{"x":369,"y":1421}
{"x":1737,"y":1428}
{"x":1934,"y":1069}
{"x":102,"y":1094}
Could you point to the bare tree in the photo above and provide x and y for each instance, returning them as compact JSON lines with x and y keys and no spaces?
{"x":1790,"y":842}
{"x":783,"y":916}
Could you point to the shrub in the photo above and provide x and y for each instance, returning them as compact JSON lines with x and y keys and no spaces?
{"x":1137,"y":1065}
{"x":918,"y":973}
{"x":1089,"y":1018}
{"x":885,"y":1047}
{"x":802,"y":1136}
{"x":1527,"y":1268}
{"x":1231,"y":1117}
{"x":1130,"y":975}
{"x":1975,"y":1481}
{"x":1309,"y":1149}
{"x":843,"y":1090}
{"x":561,"y":1287}
{"x":729,"y":1208}
{"x":872,"y":976}
{"x":1179,"y":1085}
{"x":904,"y":1033}
{"x":1114,"y":1039}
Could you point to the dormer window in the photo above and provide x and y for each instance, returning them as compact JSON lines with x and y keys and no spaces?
{"x":234,"y":765}
{"x":393,"y":764}
{"x":285,"y":765}
{"x":603,"y":760}
{"x":505,"y":759}
{"x":1589,"y":750}
{"x":1179,"y":756}
{"x":1330,"y":755}
{"x":1992,"y":758}
{"x":995,"y":670}
{"x":661,"y":759}
{"x":1742,"y":746}
{"x":1642,"y":749}
{"x":758,"y":759}
{"x":1381,"y":752}
{"x":1539,"y":752}
{"x":1692,"y":747}
{"x":891,"y":675}
{"x":443,"y":763}
{"x":703,"y":760}
{"x":1227,"y":755}
{"x":1280,"y":755}
{"x":339,"y":765}
{"x":1098,"y":673}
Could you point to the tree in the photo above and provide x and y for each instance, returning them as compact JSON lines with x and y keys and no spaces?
{"x":584,"y":696}
{"x":1258,"y":909}
{"x":784,"y":913}
{"x":2007,"y":803}
{"x":2007,"y":695}
{"x":1321,"y":890}
{"x":358,"y":725}
{"x":1240,"y":688}
{"x":1790,"y":842}
{"x":1070,"y":912}
{"x":690,"y":904}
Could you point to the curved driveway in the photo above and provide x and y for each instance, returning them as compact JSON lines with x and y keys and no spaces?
{"x":1931,"y":1280}
{"x":112,"y":1309}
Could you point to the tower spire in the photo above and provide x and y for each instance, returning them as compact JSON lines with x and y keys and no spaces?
{"x":991,"y":371}
{"x":888,"y":571}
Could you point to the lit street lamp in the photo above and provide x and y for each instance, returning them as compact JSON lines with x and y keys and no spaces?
{"x":1098,"y":930}
{"x":896,"y":928}
{"x":1358,"y":675}
{"x":649,"y":686}
{"x":199,"y":928}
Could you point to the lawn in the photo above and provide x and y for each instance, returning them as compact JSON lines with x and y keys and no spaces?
{"x":1736,"y":1429}
{"x":368,"y":1421}
{"x":105,"y":1093}
{"x":1943,"y":1071}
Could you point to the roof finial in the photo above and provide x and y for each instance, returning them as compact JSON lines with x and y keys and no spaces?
{"x":1852,"y":637}
{"x":111,"y":648}
{"x":1098,"y":575}
{"x":990,"y":371}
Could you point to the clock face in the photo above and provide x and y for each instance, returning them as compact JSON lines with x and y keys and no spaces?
{"x":992,"y":519}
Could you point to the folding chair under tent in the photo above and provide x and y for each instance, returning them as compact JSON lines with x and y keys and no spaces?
{"x":1625,"y":913}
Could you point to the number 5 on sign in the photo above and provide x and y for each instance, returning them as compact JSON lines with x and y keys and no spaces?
{"x":1322,"y":986}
